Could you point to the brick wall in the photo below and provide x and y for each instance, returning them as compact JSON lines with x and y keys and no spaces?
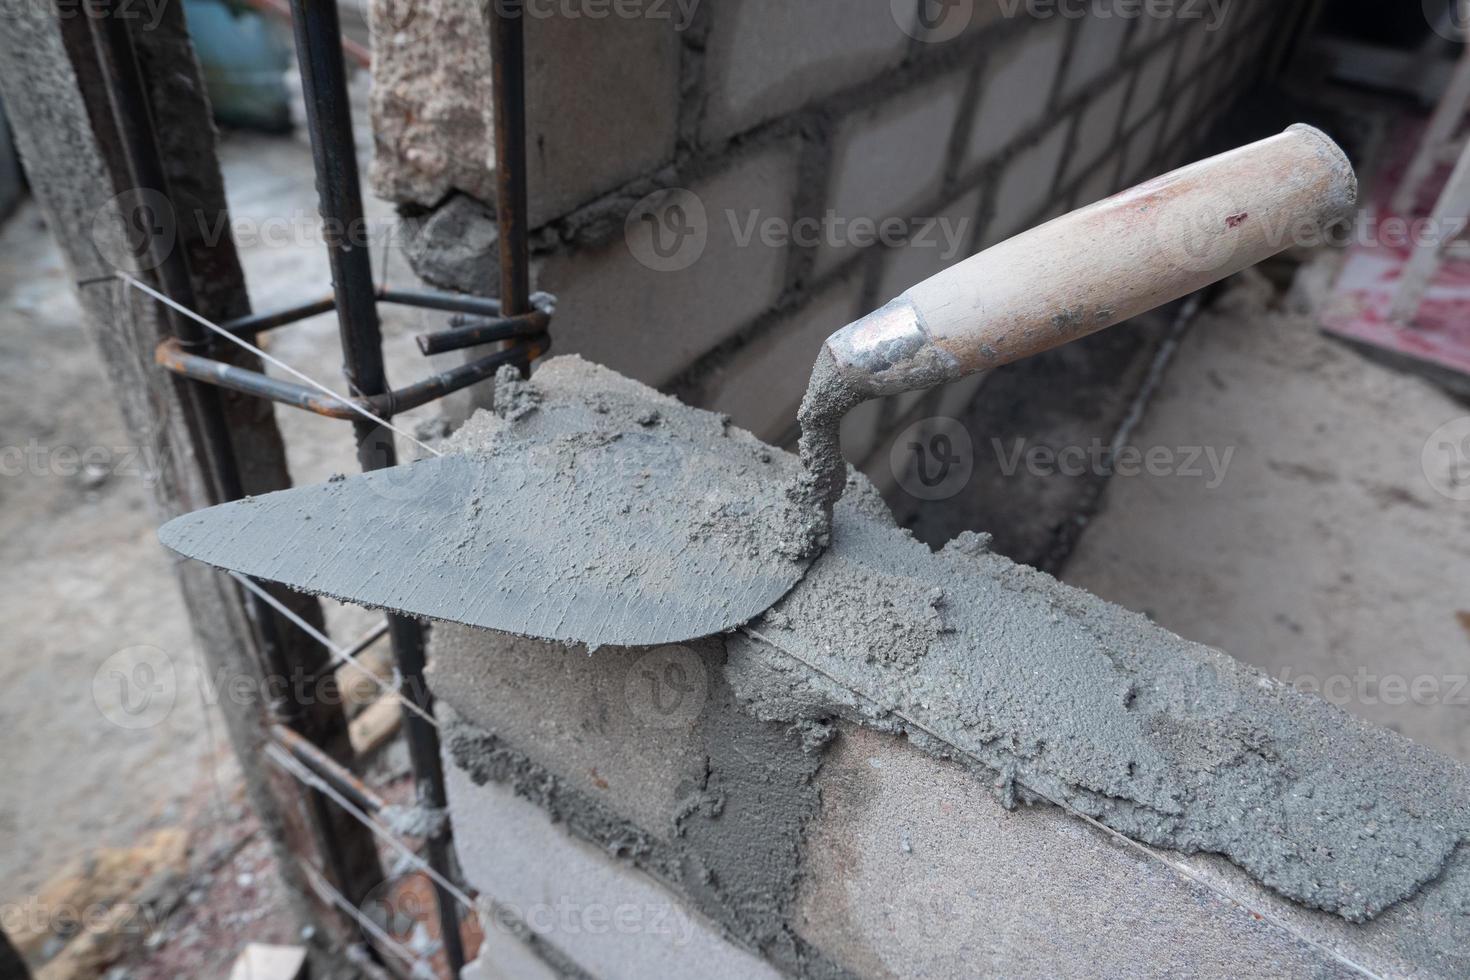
{"x":761,"y":804}
{"x":762,"y":140}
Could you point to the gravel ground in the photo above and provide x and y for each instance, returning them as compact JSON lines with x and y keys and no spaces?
{"x":86,"y":592}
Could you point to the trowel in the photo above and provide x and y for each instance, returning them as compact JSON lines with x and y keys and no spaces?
{"x":639,"y":540}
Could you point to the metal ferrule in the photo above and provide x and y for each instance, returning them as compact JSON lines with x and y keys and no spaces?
{"x":890,"y":351}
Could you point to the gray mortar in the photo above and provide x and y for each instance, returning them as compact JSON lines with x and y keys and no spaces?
{"x":734,"y":844}
{"x":1064,"y":696}
{"x":1076,"y":701}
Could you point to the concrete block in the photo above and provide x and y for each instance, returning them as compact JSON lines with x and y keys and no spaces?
{"x":562,"y":708}
{"x":503,"y":956}
{"x":761,"y":385}
{"x":1098,"y":49}
{"x":889,"y":159}
{"x":765,"y":58}
{"x":1098,"y":130}
{"x":915,"y":869}
{"x":648,"y":306}
{"x":605,"y":916}
{"x":935,"y":247}
{"x":1026,"y":184}
{"x":1150,"y":89}
{"x":601,"y":105}
{"x":1014,"y":90}
{"x":601,"y":98}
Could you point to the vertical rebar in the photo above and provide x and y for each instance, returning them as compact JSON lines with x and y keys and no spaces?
{"x":508,"y":77}
{"x":329,"y":123}
{"x":133,"y":116}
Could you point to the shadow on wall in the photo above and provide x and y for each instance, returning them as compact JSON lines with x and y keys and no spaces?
{"x":12,"y":181}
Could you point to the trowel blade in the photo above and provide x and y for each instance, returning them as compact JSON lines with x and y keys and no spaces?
{"x":622,"y":540}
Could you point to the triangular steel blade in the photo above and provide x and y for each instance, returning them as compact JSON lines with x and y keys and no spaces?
{"x":623,"y":539}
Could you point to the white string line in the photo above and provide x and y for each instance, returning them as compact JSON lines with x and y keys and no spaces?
{"x":240,"y":341}
{"x":326,"y":890}
{"x":339,"y":655}
{"x":1124,"y":838}
{"x":294,"y":766}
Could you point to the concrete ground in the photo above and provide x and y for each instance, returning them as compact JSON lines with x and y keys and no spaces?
{"x":1329,"y":552}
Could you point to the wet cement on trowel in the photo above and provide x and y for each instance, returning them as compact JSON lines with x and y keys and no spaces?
{"x":1059,"y":695}
{"x":615,"y":532}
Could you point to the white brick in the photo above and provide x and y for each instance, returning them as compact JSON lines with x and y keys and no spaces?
{"x":768,"y":57}
{"x":613,"y":921}
{"x":1097,"y":132}
{"x":946,"y":242}
{"x":1014,"y":90}
{"x":1025,"y":185}
{"x":761,"y":387}
{"x":650,"y":324}
{"x":914,"y":869}
{"x":1149,"y":90}
{"x":1098,"y":49}
{"x":503,"y":956}
{"x":601,"y":105}
{"x":537,"y":697}
{"x":890,"y":158}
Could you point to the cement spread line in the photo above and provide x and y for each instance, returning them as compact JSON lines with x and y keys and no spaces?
{"x":339,"y":655}
{"x":181,"y":308}
{"x":1139,"y":846}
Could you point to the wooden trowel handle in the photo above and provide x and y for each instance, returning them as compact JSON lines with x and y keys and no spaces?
{"x":1103,"y":264}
